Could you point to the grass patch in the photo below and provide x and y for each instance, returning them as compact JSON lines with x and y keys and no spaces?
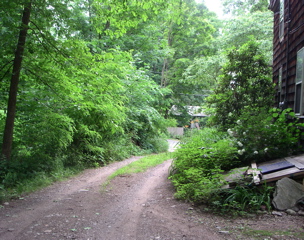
{"x":142,"y":164}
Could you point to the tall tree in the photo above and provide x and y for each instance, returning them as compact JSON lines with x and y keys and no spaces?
{"x":244,"y":86}
{"x":188,"y":33}
{"x":11,"y":107}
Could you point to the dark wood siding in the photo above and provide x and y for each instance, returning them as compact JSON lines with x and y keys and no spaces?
{"x":285,"y":50}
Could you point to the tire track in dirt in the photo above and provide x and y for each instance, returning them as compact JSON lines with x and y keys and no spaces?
{"x":137,"y":201}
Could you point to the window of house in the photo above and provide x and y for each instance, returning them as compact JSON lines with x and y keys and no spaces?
{"x":281,"y":25}
{"x":299,"y":98}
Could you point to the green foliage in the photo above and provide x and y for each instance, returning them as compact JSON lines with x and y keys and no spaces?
{"x":171,"y":122}
{"x":195,"y":187}
{"x":245,"y":198}
{"x":240,"y":103}
{"x":121,"y":15}
{"x":239,"y":7}
{"x":197,"y":174}
{"x":244,"y":86}
{"x":188,"y":33}
{"x":199,"y":162}
{"x":207,"y":148}
{"x":240,"y":29}
{"x":145,"y":124}
{"x":158,"y":143}
{"x":45,"y":133}
{"x":267,"y":135}
{"x":204,"y":71}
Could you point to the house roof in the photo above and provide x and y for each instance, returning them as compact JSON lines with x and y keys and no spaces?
{"x":194,"y":111}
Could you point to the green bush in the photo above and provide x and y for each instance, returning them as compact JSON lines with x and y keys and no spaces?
{"x":171,"y":122}
{"x":196,"y":186}
{"x":207,"y":148}
{"x":201,"y":158}
{"x":198,"y":167}
{"x":266,"y":135}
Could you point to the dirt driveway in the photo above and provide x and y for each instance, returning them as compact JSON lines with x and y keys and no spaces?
{"x":140,"y":207}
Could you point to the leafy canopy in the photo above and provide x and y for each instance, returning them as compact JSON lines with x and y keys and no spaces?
{"x":245,"y":85}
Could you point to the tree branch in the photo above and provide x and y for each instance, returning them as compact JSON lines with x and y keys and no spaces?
{"x":46,"y":39}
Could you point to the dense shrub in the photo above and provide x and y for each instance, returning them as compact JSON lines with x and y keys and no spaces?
{"x":198,"y":164}
{"x":246,"y":198}
{"x":204,"y":154}
{"x":266,"y":135}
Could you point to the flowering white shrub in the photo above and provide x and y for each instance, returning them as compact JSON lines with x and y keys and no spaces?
{"x":266,"y":135}
{"x":230,"y":132}
{"x":240,"y":152}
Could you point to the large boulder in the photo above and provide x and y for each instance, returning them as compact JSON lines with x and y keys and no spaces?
{"x":287,"y":193}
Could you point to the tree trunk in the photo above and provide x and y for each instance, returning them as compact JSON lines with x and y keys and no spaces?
{"x":11,"y":106}
{"x":163,"y":82}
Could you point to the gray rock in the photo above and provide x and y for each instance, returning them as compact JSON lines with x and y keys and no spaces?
{"x":277,"y":213}
{"x":301,"y":213}
{"x":291,"y":212}
{"x":287,"y":193}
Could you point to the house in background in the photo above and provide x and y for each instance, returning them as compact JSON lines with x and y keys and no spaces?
{"x":288,"y":54}
{"x":187,"y":113}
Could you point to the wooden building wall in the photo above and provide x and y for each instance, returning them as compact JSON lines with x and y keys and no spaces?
{"x":285,"y":50}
